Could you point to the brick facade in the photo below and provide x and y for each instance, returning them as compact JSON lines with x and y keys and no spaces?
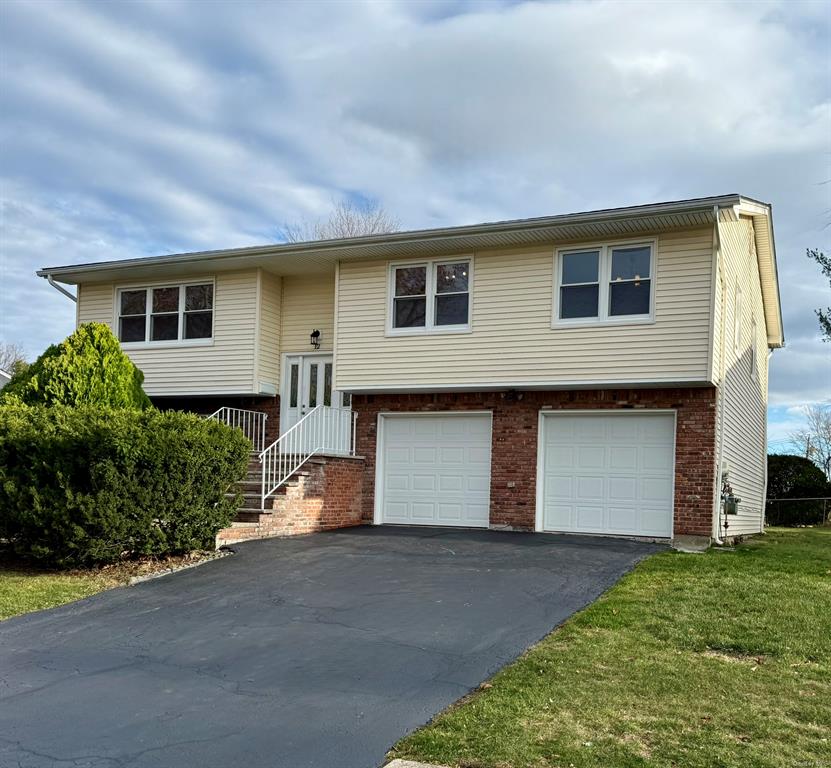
{"x":325,"y":493}
{"x":514,"y":448}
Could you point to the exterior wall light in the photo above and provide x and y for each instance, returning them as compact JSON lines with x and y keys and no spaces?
{"x":314,"y":338}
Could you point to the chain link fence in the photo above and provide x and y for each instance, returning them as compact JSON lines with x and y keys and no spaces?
{"x":805,"y":511}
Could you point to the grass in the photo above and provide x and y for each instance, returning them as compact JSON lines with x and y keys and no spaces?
{"x":722,"y":659}
{"x":24,"y":589}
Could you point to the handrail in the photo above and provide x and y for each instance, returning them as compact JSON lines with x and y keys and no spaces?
{"x":322,"y":430}
{"x":252,"y":423}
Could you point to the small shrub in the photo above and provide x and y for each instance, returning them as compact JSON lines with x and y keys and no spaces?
{"x":82,"y":486}
{"x":87,"y":368}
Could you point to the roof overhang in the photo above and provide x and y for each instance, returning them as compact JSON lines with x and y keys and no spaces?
{"x":321,"y":256}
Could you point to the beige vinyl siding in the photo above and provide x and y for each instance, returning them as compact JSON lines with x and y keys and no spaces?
{"x":95,"y":303}
{"x":744,"y":397}
{"x":308,"y":304}
{"x":224,"y":367}
{"x":512,"y":341}
{"x":268,"y":341}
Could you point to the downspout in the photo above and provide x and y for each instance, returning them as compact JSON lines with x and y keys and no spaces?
{"x":60,"y":288}
{"x":721,"y":384}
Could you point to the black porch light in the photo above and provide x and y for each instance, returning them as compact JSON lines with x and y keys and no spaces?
{"x":314,"y":338}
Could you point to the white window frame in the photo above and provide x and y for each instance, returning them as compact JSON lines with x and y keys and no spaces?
{"x":429,"y":326}
{"x":180,"y":341}
{"x":604,"y":280}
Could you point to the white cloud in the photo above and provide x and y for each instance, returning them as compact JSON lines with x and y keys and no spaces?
{"x":141,"y":128}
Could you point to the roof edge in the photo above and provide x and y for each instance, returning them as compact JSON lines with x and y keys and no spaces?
{"x":409,"y":236}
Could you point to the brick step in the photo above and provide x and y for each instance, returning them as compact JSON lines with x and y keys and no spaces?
{"x":253,"y":516}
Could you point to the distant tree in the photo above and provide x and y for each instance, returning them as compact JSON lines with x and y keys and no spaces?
{"x":87,"y":368}
{"x":348,"y":219}
{"x":824,"y":316}
{"x":795,"y":477}
{"x":12,"y":357}
{"x":814,"y":440}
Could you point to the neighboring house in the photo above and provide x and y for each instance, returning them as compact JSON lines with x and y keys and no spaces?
{"x":5,"y":378}
{"x":599,"y":372}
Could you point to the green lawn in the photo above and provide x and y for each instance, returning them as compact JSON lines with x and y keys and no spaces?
{"x":25,"y":589}
{"x":721,"y":659}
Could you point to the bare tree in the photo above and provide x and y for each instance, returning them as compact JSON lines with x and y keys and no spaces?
{"x":12,"y":357}
{"x":348,"y":219}
{"x":814,"y":440}
{"x":824,"y":317}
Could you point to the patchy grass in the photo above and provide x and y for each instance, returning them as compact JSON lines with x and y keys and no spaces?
{"x":24,"y":589}
{"x":722,"y":659}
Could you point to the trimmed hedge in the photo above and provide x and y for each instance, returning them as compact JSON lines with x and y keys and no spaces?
{"x":84,"y":486}
{"x":87,"y":368}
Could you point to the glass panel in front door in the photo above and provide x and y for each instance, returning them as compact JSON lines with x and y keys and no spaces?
{"x":313,"y":377}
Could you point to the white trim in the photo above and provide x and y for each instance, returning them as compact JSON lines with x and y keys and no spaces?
{"x":430,"y":265}
{"x":604,"y":267}
{"x":621,"y":412}
{"x":497,"y":386}
{"x":148,"y":287}
{"x":379,"y":453}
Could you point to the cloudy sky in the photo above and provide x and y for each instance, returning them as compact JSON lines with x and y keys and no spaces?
{"x":134,"y":129}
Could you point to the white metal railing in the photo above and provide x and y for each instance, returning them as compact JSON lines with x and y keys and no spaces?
{"x":252,"y":423}
{"x":322,"y":430}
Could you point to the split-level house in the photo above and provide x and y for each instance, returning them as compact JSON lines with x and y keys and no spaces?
{"x":601,"y":373}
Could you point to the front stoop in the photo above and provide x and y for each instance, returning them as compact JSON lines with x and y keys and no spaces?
{"x":325,"y":493}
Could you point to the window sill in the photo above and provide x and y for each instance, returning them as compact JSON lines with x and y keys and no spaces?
{"x":559,"y":325}
{"x":408,"y":332}
{"x":139,"y":345}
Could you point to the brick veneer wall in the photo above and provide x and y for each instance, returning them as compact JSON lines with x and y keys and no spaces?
{"x":514,"y":448}
{"x":270,"y":405}
{"x":328,"y":493}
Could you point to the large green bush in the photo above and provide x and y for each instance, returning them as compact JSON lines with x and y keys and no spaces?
{"x":80,"y":486}
{"x":87,"y":368}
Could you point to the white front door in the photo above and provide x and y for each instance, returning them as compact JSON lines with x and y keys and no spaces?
{"x":607,"y":473}
{"x":434,"y":469}
{"x":307,"y":383}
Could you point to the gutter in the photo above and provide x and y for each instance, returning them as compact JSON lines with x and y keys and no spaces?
{"x":57,"y":287}
{"x":721,"y":385}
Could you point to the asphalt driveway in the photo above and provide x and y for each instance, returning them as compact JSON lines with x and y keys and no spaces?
{"x":315,"y":651}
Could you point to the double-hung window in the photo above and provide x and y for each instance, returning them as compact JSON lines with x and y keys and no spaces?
{"x":168,"y":313}
{"x":608,"y":283}
{"x":430,"y":296}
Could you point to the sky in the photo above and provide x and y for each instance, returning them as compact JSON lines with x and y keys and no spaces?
{"x":131,"y":129}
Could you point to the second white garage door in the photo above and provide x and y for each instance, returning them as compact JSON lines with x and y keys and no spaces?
{"x":612,"y":474}
{"x":434,"y":469}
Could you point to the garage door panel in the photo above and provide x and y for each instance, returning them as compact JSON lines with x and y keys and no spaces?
{"x":622,"y":457}
{"x":588,"y":518}
{"x":589,"y":487}
{"x":452,"y":455}
{"x":608,"y":473}
{"x":559,"y":458}
{"x":398,"y":482}
{"x":623,"y":519}
{"x":435,"y":469}
{"x":591,"y":456}
{"x":424,"y":482}
{"x":621,"y":488}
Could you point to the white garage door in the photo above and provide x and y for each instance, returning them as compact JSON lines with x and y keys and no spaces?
{"x":608,"y":473}
{"x":435,"y":470}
